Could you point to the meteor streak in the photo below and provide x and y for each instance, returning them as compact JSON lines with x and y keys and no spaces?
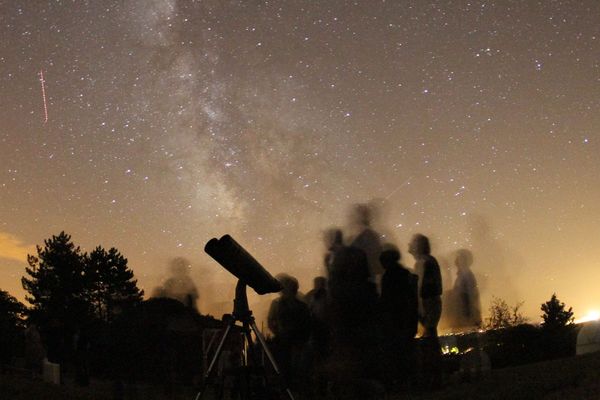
{"x":43,"y":83}
{"x":398,"y":188}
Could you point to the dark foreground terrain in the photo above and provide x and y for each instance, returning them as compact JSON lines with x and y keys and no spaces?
{"x":567,"y":378}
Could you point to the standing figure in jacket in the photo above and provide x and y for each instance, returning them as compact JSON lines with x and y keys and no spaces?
{"x":430,"y":309}
{"x":430,"y":284}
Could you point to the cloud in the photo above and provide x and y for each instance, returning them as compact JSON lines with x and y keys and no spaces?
{"x":13,"y":248}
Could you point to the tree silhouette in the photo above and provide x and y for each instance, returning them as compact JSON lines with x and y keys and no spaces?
{"x":57,"y":282}
{"x":555,"y":315}
{"x":11,"y":324}
{"x":73,"y":288}
{"x":11,"y":310}
{"x":111,"y":282}
{"x":503,"y":316}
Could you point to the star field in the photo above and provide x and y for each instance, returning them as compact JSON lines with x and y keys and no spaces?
{"x":171,"y":122}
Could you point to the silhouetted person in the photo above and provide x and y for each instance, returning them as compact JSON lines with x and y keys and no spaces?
{"x":430,"y":307}
{"x":368,"y":240}
{"x":430,"y":284}
{"x":353,"y":301}
{"x":334,"y":241}
{"x":289,"y":320}
{"x":348,"y":272}
{"x":317,"y":293}
{"x":399,"y":317}
{"x":317,"y":300}
{"x":466,"y":292}
{"x":179,"y":285}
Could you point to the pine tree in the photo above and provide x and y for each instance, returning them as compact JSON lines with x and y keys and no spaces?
{"x":555,"y":315}
{"x":11,"y":310}
{"x":57,"y":284}
{"x":111,"y":282}
{"x":72,"y":287}
{"x":11,"y":325}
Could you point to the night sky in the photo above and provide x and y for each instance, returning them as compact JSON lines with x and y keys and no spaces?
{"x":171,"y":122}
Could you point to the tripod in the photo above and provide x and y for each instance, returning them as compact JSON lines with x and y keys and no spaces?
{"x":243,"y":314}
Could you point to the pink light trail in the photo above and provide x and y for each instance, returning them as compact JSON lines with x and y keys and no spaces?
{"x":42,"y":82}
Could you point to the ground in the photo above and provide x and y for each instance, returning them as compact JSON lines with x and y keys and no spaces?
{"x":564,"y":379}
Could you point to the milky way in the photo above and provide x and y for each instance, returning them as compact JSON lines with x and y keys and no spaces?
{"x":171,"y":122}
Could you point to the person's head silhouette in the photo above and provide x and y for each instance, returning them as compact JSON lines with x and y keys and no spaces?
{"x":463,"y":259}
{"x":333,"y":238}
{"x":289,"y":284}
{"x":419,"y":246}
{"x":320,"y":282}
{"x":390,"y":255}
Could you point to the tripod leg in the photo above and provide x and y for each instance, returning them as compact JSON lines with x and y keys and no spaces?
{"x":263,"y":343}
{"x":214,"y":360}
{"x":250,"y":343}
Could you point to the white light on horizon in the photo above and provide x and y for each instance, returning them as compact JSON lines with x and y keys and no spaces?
{"x":592,"y":315}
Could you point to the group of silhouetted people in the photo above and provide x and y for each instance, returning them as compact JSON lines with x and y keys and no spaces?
{"x":354,"y":332}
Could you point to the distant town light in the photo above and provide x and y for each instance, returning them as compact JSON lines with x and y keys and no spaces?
{"x":592,"y":315}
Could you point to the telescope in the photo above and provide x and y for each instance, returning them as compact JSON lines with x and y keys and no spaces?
{"x":235,"y":259}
